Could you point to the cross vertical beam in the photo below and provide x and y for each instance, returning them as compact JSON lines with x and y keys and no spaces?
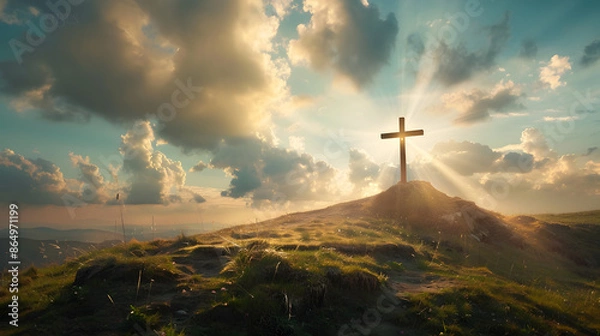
{"x":402,"y":151}
{"x":402,"y":137}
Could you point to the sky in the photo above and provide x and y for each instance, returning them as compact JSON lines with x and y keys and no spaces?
{"x":240,"y":110}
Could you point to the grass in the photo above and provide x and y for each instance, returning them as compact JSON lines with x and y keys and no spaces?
{"x":584,"y":217}
{"x":309,"y":278}
{"x":51,"y":297}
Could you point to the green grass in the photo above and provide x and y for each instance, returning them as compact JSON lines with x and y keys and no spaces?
{"x":584,"y":217}
{"x":299,"y":281}
{"x":49,"y":296}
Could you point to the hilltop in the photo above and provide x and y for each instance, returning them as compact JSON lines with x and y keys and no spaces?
{"x":410,"y":260}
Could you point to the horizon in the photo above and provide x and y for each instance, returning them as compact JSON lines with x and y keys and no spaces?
{"x":244,"y":111}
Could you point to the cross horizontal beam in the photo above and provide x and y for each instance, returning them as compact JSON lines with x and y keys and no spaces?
{"x":401,"y":135}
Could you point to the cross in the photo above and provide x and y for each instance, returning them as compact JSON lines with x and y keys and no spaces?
{"x":402,"y":134}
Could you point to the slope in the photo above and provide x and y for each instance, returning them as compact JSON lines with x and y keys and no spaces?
{"x":410,"y":260}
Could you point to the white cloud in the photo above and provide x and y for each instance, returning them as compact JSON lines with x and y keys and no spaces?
{"x":347,"y":36}
{"x":281,"y":7}
{"x":94,"y":188}
{"x":364,"y":172}
{"x":465,"y":158}
{"x":155,"y":179}
{"x":296,"y":143}
{"x":567,"y":118}
{"x":528,"y":177}
{"x":477,"y":105}
{"x":551,"y":73}
{"x":534,"y":142}
{"x":200,"y":166}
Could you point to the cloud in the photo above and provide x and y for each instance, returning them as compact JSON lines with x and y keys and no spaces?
{"x":477,"y":105}
{"x":194,"y":197}
{"x":457,"y":64}
{"x":157,"y":67}
{"x":415,"y":48}
{"x":363,"y":170}
{"x":200,"y":166}
{"x":33,"y":181}
{"x":529,"y":49}
{"x":94,"y":186}
{"x":198,"y":199}
{"x":268,"y":175}
{"x":550,"y":74}
{"x":155,"y":179}
{"x":414,"y":43}
{"x":533,"y":141}
{"x":527,"y":178}
{"x":367,"y":177}
{"x":296,"y":143}
{"x":570,"y":181}
{"x":302,"y":101}
{"x":567,"y":118}
{"x":591,"y":53}
{"x":281,"y":7}
{"x":590,"y":151}
{"x":347,"y":36}
{"x":514,"y":162}
{"x":466,"y":158}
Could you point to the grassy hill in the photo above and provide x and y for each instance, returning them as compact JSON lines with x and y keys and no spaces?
{"x":409,"y":261}
{"x":584,"y":217}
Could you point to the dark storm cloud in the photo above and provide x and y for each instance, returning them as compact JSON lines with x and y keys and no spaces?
{"x":356,"y":44}
{"x":200,"y":67}
{"x":591,"y":53}
{"x":529,"y":49}
{"x":457,"y":64}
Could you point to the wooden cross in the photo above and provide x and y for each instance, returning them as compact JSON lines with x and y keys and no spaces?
{"x":402,"y":134}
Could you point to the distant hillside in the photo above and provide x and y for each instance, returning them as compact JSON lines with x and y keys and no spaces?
{"x":97,"y":236}
{"x":408,"y":261}
{"x":82,"y":235}
{"x":584,"y":217}
{"x":47,"y":252}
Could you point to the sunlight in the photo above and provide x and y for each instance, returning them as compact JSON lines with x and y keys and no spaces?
{"x":450,"y":179}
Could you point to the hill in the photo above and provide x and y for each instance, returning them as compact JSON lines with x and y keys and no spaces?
{"x":48,"y":252}
{"x":81,"y":235}
{"x":410,"y":261}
